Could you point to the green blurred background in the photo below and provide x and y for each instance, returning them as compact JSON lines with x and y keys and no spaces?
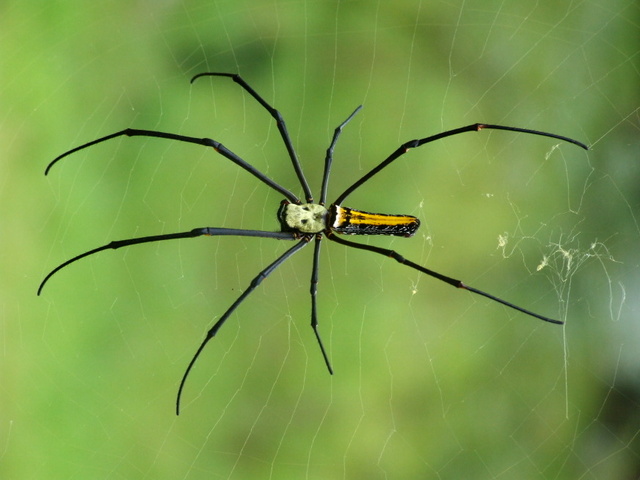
{"x":430,"y":382}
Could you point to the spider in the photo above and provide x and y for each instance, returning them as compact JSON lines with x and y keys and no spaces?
{"x":304,"y":221}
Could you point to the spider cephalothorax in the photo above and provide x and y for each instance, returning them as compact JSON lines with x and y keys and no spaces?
{"x":304,"y":218}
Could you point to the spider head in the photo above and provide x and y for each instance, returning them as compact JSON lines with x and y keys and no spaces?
{"x":304,"y":218}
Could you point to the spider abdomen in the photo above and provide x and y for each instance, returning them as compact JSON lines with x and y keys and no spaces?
{"x":356,"y":222}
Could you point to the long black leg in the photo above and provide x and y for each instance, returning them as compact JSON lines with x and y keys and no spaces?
{"x":196,"y":232}
{"x":252,"y":286}
{"x":314,"y":309}
{"x":282,"y":126}
{"x":206,"y":142}
{"x":451,"y":281}
{"x":328,"y":160}
{"x":476,"y":127}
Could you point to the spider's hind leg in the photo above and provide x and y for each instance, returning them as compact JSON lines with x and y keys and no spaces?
{"x":314,"y":308}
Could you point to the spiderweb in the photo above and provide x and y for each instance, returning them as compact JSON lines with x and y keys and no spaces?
{"x":429,"y":382}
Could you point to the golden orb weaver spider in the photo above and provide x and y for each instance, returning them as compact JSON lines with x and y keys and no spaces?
{"x":306,"y":221}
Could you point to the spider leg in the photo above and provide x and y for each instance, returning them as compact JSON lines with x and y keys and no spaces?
{"x":328,"y":160}
{"x":451,"y":281}
{"x":252,"y":286}
{"x":206,"y":142}
{"x":196,"y":232}
{"x":476,"y":127}
{"x":314,"y":310}
{"x":282,"y":126}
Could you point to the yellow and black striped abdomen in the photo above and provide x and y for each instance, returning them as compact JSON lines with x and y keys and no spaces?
{"x":355,"y":222}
